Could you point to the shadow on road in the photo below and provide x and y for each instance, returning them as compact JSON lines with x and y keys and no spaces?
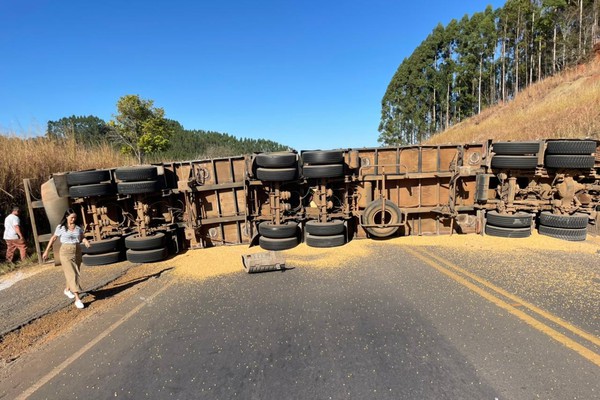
{"x":101,"y":294}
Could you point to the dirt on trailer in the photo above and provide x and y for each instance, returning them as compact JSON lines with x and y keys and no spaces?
{"x":199,"y":265}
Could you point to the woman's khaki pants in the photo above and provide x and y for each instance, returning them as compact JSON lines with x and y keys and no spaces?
{"x":70,"y":259}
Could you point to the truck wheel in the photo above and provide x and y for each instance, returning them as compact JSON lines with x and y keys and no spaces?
{"x":96,"y":189}
{"x":329,"y":228}
{"x":575,"y":221}
{"x":285,"y":230}
{"x":507,"y":232}
{"x":140,"y":187}
{"x":320,"y":157}
{"x":101,"y":259}
{"x":323,"y":171}
{"x":277,"y":244}
{"x":571,"y":147}
{"x":373,"y":215}
{"x":572,"y":235}
{"x":103,"y":246}
{"x":138,"y":173}
{"x":517,"y":220}
{"x":281,"y":159}
{"x":136,"y":242}
{"x":276,"y":174}
{"x":516,"y":148}
{"x":569,"y":161}
{"x":515,"y":162}
{"x":325,"y":241}
{"x":87,"y":177}
{"x":146,"y":256}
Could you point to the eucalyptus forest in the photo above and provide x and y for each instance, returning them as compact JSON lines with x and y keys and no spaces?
{"x":482,"y":60}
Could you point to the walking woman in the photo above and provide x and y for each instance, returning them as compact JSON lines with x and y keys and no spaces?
{"x":70,"y":236}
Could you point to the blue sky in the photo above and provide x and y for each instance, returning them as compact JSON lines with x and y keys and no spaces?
{"x":308,"y":74}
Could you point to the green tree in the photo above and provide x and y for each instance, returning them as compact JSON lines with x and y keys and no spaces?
{"x":140,"y":128}
{"x":87,"y":130}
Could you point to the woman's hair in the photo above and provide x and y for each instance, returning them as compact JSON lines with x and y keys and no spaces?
{"x":63,"y":221}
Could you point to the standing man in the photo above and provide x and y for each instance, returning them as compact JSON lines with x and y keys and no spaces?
{"x":13,"y":235}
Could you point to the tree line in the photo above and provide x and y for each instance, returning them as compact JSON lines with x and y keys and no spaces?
{"x":482,"y":60}
{"x":141,"y":129}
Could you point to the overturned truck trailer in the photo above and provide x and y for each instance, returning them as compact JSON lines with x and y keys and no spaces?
{"x":327,"y":198}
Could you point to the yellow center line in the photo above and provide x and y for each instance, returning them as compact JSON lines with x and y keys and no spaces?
{"x":540,"y":326}
{"x":588,"y":336}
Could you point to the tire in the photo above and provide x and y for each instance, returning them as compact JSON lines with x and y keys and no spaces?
{"x":569,"y":161}
{"x":103,"y":246}
{"x":517,"y":220}
{"x":96,"y":189}
{"x":325,"y":241}
{"x":516,"y":148}
{"x":101,"y":259}
{"x":88,"y":177}
{"x":276,"y":160}
{"x":320,"y":157}
{"x":146,"y":256}
{"x":323,"y":171}
{"x":139,"y":173}
{"x":372,"y":216}
{"x":139,"y":187}
{"x":276,"y":174}
{"x":330,"y":228}
{"x":277,"y":244}
{"x":136,"y":242}
{"x":498,"y":231}
{"x":515,"y":162}
{"x":572,"y":235}
{"x":285,"y":230}
{"x":571,"y":147}
{"x":575,"y":221}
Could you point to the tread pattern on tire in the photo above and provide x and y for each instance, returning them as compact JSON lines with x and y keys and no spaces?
{"x":101,"y":259}
{"x":507,"y":232}
{"x":146,"y":256}
{"x":103,"y":246}
{"x":329,"y":228}
{"x":285,"y":230}
{"x":574,"y":221}
{"x":276,"y":174}
{"x":324,"y":241}
{"x":516,"y":148}
{"x":276,"y":159}
{"x":277,"y":244}
{"x":136,"y":242}
{"x":517,"y":220}
{"x":515,"y":162}
{"x":96,"y":189}
{"x":323,"y":171}
{"x":139,"y":187}
{"x":137,"y":173}
{"x":571,"y":147}
{"x":572,"y":235}
{"x":87,"y":177}
{"x":569,"y":161}
{"x":322,"y":157}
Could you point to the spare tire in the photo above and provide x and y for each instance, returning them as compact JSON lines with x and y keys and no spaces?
{"x":373,"y":215}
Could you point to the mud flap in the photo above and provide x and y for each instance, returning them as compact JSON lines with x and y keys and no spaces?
{"x":263,"y":262}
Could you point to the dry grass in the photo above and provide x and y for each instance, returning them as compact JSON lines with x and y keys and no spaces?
{"x":37,"y":158}
{"x":563,"y":106}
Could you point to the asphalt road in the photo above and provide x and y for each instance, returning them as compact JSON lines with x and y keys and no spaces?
{"x":403,"y":323}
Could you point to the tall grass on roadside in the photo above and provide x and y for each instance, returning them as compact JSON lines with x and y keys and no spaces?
{"x":566,"y":105}
{"x":37,"y":158}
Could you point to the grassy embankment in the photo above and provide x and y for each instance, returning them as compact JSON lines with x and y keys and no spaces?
{"x":563,"y":106}
{"x":37,"y":158}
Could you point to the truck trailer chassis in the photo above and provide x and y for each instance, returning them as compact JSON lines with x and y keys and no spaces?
{"x":327,"y":198}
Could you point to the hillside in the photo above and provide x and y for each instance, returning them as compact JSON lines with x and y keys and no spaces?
{"x":563,"y":106}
